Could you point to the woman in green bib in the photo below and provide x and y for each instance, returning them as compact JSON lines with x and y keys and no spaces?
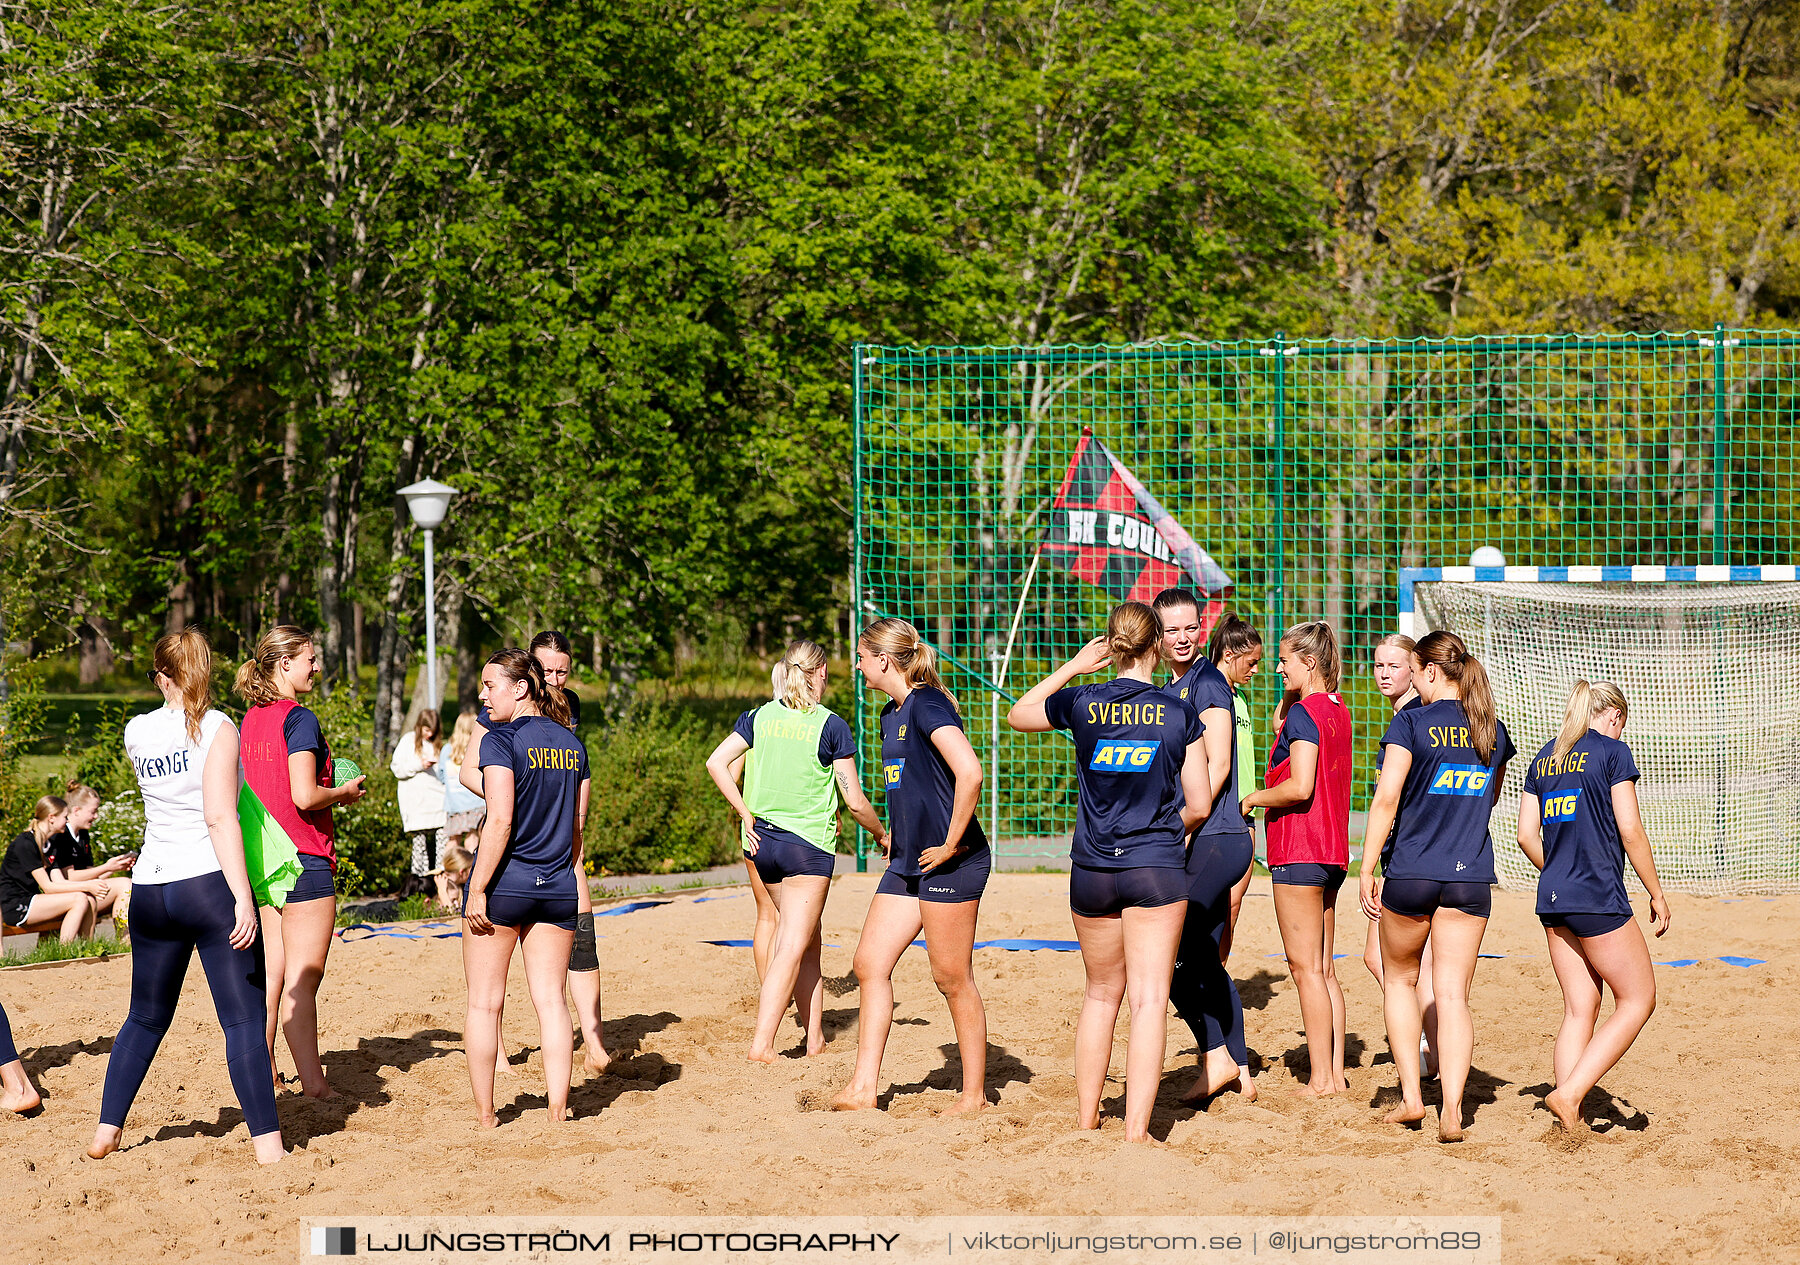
{"x":799,"y":755}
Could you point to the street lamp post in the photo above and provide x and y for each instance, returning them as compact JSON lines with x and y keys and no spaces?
{"x":428,"y":501}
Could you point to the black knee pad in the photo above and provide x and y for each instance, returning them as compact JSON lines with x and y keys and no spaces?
{"x":583,"y":956}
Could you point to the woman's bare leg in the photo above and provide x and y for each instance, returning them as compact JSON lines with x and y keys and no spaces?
{"x":274,"y":971}
{"x":950,"y":940}
{"x":1458,"y":938}
{"x":1622,"y":959}
{"x":1152,"y":938}
{"x":892,"y":923}
{"x":1428,"y":1011}
{"x":800,"y":901}
{"x":766,"y":914}
{"x":1335,"y":991}
{"x":306,"y":942}
{"x":1300,"y":914}
{"x":546,"y":952}
{"x":1581,"y":1000}
{"x":1402,"y":939}
{"x":1103,"y":961}
{"x":485,"y":960}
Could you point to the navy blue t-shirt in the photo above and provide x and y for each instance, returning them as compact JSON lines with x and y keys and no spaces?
{"x":1203,"y":687}
{"x":1584,"y":860}
{"x":920,"y":788}
{"x":300,"y":730}
{"x":548,"y":765}
{"x":836,"y":742}
{"x":1297,"y":725}
{"x":1381,"y":748}
{"x":1441,"y":830}
{"x":1131,"y":740}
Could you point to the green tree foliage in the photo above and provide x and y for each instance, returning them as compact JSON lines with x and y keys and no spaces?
{"x":600,"y":267}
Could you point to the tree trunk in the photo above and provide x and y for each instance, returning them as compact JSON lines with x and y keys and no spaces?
{"x":468,"y":656}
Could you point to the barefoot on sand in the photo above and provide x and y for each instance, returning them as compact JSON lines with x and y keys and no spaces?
{"x":851,"y":1099}
{"x":23,"y":1103}
{"x":965,"y":1107}
{"x":1405,"y":1113}
{"x":1568,"y":1114}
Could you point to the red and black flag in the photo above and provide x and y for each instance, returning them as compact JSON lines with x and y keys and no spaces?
{"x":1106,"y":528}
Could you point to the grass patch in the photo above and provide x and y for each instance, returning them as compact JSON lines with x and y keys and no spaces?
{"x":50,"y":949}
{"x":414,"y":908}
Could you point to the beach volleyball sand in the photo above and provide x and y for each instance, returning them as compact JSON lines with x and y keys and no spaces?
{"x":1697,"y":1155}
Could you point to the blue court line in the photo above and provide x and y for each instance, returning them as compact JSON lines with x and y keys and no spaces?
{"x":376,"y":930}
{"x":632,"y":908}
{"x":701,"y":900}
{"x":1729,"y":958}
{"x":1016,"y":946}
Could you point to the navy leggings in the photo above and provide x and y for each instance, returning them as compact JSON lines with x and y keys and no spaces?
{"x":1203,"y":991}
{"x":7,"y":1053}
{"x":168,"y":922}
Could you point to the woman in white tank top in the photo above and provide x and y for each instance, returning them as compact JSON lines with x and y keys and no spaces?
{"x":192,"y":893}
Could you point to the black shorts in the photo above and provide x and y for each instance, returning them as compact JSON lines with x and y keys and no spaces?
{"x":315,"y":880}
{"x":783,"y":854}
{"x":583,"y":956}
{"x":1311,"y":874}
{"x":1586,"y":926}
{"x":526,"y":911}
{"x":942,"y":887}
{"x":16,"y":915}
{"x":1423,"y":897}
{"x":1101,"y":893}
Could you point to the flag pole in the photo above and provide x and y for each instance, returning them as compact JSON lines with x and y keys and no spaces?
{"x":1001,"y":662}
{"x":1018,"y":614}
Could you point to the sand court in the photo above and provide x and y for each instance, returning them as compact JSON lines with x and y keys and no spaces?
{"x":1696,"y":1153}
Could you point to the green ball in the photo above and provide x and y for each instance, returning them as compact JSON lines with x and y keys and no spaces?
{"x":343,"y":770}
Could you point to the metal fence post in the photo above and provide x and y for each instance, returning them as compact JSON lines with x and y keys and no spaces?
{"x":856,"y":570}
{"x":1278,"y":594}
{"x":1718,"y":445}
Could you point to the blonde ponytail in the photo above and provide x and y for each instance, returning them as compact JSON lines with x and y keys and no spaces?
{"x":1586,"y":702}
{"x":255,"y":682}
{"x":901,"y":643}
{"x":793,"y":690}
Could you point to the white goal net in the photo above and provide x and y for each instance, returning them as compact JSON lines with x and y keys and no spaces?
{"x":1712,"y":673}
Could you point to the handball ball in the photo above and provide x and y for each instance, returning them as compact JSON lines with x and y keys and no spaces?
{"x":343,"y":771}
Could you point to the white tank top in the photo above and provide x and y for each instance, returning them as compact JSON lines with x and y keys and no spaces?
{"x":168,"y":762}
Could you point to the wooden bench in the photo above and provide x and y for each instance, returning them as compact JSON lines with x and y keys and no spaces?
{"x":22,"y":940}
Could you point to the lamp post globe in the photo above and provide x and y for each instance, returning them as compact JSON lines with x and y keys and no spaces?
{"x":428,"y":501}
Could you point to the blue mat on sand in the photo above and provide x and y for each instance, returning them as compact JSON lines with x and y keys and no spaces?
{"x":422,"y":931}
{"x":1731,"y":959}
{"x":632,"y":908}
{"x":1058,"y":946}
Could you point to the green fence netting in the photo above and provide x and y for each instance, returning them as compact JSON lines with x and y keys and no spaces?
{"x":1311,"y":471}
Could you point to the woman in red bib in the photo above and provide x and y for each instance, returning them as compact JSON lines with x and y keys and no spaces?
{"x":1307,"y":795}
{"x":287,"y":765}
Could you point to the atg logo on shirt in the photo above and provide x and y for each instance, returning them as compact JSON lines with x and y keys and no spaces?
{"x":1561,"y":806}
{"x":1124,"y":757}
{"x":890,"y":773}
{"x":1460,"y":779}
